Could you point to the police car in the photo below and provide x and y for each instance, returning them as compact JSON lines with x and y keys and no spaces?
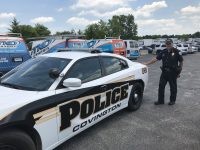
{"x":50,"y":98}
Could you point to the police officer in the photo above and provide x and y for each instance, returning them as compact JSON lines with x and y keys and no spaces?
{"x":172,"y":63}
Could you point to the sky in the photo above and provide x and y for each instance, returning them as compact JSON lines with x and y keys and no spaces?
{"x":152,"y":16}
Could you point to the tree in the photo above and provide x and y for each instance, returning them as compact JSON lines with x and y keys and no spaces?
{"x":123,"y":26}
{"x":97,"y":30}
{"x":41,"y":30}
{"x":196,"y":35}
{"x":27,"y":31}
{"x":14,"y":27}
{"x":63,"y":33}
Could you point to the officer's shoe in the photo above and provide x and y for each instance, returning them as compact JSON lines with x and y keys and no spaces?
{"x":158,"y":103}
{"x":171,"y":103}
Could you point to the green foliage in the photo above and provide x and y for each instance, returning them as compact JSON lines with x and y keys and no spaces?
{"x":28,"y":31}
{"x":123,"y":26}
{"x":14,"y":27}
{"x":41,"y":30}
{"x":96,"y":30}
{"x":196,"y":35}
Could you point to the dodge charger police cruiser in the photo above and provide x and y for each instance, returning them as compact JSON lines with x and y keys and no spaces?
{"x":50,"y":98}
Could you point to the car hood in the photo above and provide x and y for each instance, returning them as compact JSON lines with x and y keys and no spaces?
{"x":12,"y":99}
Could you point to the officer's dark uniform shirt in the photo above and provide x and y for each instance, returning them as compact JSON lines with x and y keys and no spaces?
{"x":170,"y":59}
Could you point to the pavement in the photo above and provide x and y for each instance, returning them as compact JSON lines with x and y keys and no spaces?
{"x":151,"y":127}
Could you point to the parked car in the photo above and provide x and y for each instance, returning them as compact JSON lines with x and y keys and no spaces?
{"x":109,"y":45}
{"x":53,"y":43}
{"x":50,"y":98}
{"x":13,"y":51}
{"x":132,"y":49}
{"x":159,"y":48}
{"x":147,"y":48}
{"x":198,"y":46}
{"x":183,"y":48}
{"x":191,"y":49}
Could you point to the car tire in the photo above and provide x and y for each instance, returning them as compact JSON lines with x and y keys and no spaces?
{"x":15,"y":140}
{"x":136,"y":96}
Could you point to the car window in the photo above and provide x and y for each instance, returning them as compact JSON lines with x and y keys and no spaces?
{"x":118,"y":45}
{"x":112,"y":64}
{"x":125,"y":43}
{"x":157,"y":45}
{"x":185,"y":45}
{"x":131,"y":44}
{"x":34,"y":74}
{"x":86,"y":70}
{"x":163,"y":46}
{"x":179,"y":45}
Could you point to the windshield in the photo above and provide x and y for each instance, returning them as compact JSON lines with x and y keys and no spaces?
{"x":34,"y":74}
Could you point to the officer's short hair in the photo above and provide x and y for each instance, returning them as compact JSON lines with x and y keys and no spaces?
{"x":169,"y":41}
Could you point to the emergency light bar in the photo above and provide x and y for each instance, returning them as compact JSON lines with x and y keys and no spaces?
{"x":12,"y":34}
{"x":88,"y":50}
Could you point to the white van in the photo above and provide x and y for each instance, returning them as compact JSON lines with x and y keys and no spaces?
{"x":132,"y":49}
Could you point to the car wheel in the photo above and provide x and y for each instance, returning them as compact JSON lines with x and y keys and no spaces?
{"x":15,"y":140}
{"x":136,"y":96}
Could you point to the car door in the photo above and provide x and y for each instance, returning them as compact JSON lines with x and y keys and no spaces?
{"x":117,"y":74}
{"x":79,"y":104}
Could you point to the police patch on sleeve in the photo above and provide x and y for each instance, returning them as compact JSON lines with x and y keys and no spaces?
{"x":180,"y":53}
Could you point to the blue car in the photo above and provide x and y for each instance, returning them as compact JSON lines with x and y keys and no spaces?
{"x":13,"y":52}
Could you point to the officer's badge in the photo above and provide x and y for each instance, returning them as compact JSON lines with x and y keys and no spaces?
{"x":172,"y":54}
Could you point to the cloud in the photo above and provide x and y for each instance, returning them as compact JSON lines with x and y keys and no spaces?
{"x":60,"y":9}
{"x":159,"y":26}
{"x":190,"y":10}
{"x":80,"y":22}
{"x":98,"y":4}
{"x":7,"y":15}
{"x":42,"y":20}
{"x":156,"y":22}
{"x":145,"y":11}
{"x":4,"y":25}
{"x":119,"y":11}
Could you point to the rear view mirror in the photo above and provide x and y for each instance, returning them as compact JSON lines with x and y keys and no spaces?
{"x":54,"y":73}
{"x":72,"y":82}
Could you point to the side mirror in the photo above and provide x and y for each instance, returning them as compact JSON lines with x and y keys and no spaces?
{"x":54,"y":73}
{"x":1,"y":74}
{"x":72,"y":82}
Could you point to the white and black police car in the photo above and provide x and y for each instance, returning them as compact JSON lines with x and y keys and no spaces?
{"x":50,"y":98}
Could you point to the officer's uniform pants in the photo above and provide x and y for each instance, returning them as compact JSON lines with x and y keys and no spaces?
{"x":165,"y":77}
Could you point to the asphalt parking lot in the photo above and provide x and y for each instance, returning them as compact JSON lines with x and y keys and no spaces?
{"x":151,"y":127}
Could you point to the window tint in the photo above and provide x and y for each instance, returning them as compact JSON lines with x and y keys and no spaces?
{"x":34,"y":74}
{"x":179,"y":45}
{"x":131,"y":44}
{"x":185,"y":45}
{"x":163,"y":46}
{"x":157,"y":45}
{"x":86,"y":70}
{"x":125,"y":43}
{"x":118,"y":45}
{"x":113,"y":65}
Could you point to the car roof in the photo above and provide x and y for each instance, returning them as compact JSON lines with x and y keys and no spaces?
{"x":79,"y":55}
